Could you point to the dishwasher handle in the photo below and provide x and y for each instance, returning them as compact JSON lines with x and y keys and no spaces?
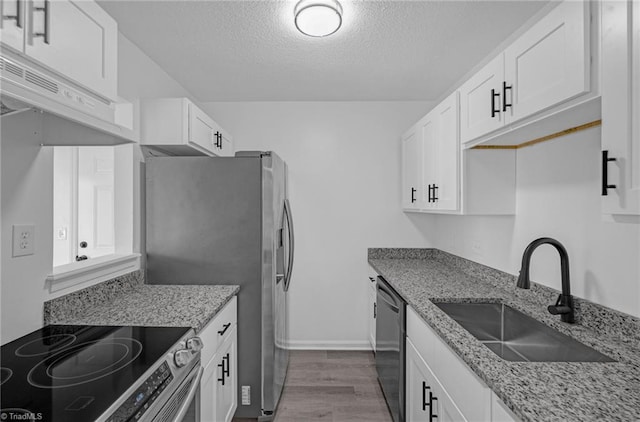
{"x":383,"y":293}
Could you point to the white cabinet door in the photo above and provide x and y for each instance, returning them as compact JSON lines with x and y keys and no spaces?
{"x":208,"y":392}
{"x":201,"y":128}
{"x":227,"y":387}
{"x":224,"y":146}
{"x":500,"y":412}
{"x":447,"y":154}
{"x":480,"y":101}
{"x":549,"y":63}
{"x":12,"y":23}
{"x":428,"y":138}
{"x":426,"y":400}
{"x":621,"y":107}
{"x":77,"y":39}
{"x":411,"y":170}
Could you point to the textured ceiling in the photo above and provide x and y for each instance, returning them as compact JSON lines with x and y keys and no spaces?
{"x":251,"y":51}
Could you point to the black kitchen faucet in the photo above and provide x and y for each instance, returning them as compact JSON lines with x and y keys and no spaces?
{"x":564,"y":304}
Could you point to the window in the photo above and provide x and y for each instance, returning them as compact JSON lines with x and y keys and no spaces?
{"x":93,"y":214}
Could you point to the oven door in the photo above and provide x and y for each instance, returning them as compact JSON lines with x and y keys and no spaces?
{"x":184,"y":403}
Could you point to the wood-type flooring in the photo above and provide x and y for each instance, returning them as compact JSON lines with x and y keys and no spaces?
{"x":332,"y":386}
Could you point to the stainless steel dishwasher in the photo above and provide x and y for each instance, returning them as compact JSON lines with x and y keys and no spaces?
{"x":390,"y":347}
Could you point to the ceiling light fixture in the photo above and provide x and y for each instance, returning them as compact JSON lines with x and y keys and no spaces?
{"x":318,"y":18}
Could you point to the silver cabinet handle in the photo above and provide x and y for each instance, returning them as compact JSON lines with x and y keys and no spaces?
{"x":18,"y":16}
{"x":192,"y":392}
{"x":47,"y":21}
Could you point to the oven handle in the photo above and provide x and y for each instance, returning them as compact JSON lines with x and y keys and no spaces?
{"x":192,"y":392}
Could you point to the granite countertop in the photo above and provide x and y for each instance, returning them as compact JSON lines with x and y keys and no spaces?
{"x":128,"y":301}
{"x":541,"y":391}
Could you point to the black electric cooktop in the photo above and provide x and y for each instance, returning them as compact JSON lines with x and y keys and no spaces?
{"x":75,"y":372}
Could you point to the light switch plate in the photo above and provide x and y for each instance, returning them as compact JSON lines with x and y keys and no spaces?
{"x":24,"y":238}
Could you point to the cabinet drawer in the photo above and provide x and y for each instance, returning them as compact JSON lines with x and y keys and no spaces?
{"x":469,"y":392}
{"x":218,"y":330}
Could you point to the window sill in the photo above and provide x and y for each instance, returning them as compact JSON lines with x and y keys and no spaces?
{"x":92,"y":271}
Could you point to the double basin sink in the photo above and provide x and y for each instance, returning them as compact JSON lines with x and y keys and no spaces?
{"x":517,"y":337}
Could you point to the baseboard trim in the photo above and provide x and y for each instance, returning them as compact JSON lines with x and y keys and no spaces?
{"x":328,"y":345}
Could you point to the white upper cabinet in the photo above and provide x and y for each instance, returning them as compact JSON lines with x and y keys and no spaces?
{"x":12,"y":24}
{"x":74,"y":38}
{"x":445,"y":192}
{"x":480,"y":105}
{"x":440,"y":148}
{"x":549,"y":63}
{"x":201,"y":128}
{"x":540,"y":77}
{"x":177,"y":126}
{"x":621,"y":107}
{"x":439,"y":177}
{"x":411,"y":170}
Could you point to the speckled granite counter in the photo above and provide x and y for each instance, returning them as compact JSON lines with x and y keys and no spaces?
{"x":556,"y":391}
{"x":128,"y":301}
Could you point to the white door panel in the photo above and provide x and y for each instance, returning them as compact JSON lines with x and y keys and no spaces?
{"x":95,"y":201}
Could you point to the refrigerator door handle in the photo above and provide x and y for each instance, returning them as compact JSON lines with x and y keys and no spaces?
{"x":287,"y":213}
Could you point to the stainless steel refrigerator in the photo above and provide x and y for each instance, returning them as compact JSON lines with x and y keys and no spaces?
{"x":228,"y":221}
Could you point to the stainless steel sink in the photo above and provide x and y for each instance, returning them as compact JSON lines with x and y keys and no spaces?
{"x":515,"y":336}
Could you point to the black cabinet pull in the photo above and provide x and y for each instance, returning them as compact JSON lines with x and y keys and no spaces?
{"x":224,"y":330}
{"x":228,"y":360}
{"x":375,"y":310}
{"x":506,"y":87}
{"x":425,"y":387}
{"x":605,"y":173}
{"x":221,"y":365}
{"x":218,"y":143}
{"x":494,"y":94}
{"x":17,"y":17}
{"x":413,"y":193}
{"x":433,"y":190}
{"x":431,"y":400}
{"x":45,"y":10}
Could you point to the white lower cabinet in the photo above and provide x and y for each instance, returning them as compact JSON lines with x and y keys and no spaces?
{"x":219,"y":385}
{"x":227,"y":383}
{"x":440,"y":386}
{"x":426,"y":398}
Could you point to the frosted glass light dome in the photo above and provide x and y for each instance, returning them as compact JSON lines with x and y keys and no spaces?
{"x":318,"y":18}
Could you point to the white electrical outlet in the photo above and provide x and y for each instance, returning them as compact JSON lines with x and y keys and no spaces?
{"x":246,"y":395}
{"x":24,"y":238}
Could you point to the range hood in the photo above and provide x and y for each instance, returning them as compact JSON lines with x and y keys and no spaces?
{"x":71,"y":114}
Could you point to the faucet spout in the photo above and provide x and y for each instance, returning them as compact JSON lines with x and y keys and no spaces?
{"x":564,"y":305}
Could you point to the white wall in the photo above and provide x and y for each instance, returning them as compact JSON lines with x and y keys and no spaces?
{"x":558,"y":195}
{"x":344,"y":178}
{"x":27,"y":198}
{"x":27,"y":194}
